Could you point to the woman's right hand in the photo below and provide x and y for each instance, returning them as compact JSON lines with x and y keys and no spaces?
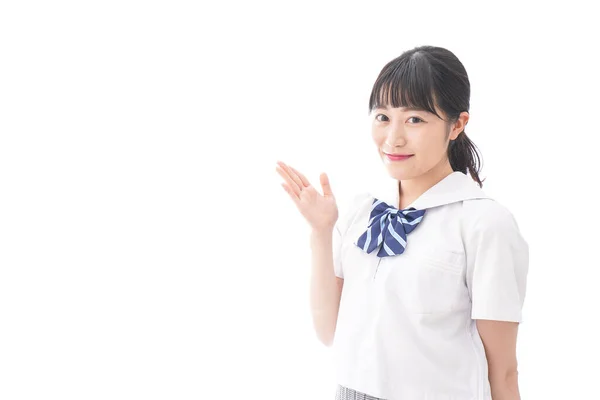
{"x":320,"y":211}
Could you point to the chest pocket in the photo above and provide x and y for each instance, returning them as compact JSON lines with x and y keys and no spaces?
{"x":427,"y":283}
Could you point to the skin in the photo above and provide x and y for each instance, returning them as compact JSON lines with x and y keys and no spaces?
{"x":423,"y":134}
{"x":426,"y":136}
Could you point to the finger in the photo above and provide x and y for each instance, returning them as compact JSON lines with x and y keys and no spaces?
{"x":326,"y":185}
{"x":292,"y":175}
{"x":303,"y":179}
{"x":289,"y":191}
{"x":285,"y":175}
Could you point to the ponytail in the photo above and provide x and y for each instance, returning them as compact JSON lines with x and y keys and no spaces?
{"x":464,"y":157}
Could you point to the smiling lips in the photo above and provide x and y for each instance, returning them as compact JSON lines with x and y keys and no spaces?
{"x":398,"y":157}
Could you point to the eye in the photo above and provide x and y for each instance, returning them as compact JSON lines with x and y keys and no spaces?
{"x":417,"y":118}
{"x":383,"y":115}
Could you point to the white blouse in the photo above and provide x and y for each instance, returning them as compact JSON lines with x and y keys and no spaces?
{"x":406,"y":325}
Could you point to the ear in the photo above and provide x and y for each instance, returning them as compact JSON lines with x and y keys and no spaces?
{"x":459,"y":125}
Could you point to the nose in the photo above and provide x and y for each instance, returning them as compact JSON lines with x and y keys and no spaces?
{"x":395,"y":137}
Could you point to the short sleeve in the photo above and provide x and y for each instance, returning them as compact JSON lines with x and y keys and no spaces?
{"x":346,"y":217}
{"x":497,"y":266}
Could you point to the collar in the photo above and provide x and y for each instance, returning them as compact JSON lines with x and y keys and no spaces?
{"x":455,"y":187}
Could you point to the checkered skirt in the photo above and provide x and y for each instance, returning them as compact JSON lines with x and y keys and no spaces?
{"x":344,"y":393}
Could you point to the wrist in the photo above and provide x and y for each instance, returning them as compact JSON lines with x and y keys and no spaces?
{"x":322,"y":232}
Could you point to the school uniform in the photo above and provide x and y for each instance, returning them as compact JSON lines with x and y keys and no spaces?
{"x":406,"y":326}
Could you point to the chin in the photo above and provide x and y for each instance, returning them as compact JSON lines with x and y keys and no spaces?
{"x":400,"y":174}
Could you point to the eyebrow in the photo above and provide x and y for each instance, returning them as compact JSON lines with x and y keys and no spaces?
{"x":405,"y":109}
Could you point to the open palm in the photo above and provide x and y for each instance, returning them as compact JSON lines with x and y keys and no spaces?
{"x":319,"y":210}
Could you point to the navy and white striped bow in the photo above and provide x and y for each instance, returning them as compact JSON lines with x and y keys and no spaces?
{"x":388,"y":226}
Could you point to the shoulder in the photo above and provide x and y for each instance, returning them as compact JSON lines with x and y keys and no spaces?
{"x":488,"y":222}
{"x":487,"y":214}
{"x":486,"y":211}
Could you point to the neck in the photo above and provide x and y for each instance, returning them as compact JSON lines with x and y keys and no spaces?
{"x":411,"y":189}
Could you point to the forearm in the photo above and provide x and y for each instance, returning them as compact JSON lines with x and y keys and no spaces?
{"x":324,"y":291}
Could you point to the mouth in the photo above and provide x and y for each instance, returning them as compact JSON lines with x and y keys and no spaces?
{"x":398,"y":157}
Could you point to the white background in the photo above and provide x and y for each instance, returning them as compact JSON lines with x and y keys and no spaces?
{"x":147,"y":248}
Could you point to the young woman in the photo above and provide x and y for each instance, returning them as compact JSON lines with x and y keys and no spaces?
{"x":419,"y":289}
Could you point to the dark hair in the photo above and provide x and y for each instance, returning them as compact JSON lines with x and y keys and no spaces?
{"x":421,"y":78}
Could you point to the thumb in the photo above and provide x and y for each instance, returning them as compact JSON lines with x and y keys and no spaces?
{"x":325,"y":185}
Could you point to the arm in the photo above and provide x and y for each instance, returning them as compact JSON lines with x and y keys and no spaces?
{"x":325,"y":286}
{"x":500,"y":341}
{"x":497,"y":267}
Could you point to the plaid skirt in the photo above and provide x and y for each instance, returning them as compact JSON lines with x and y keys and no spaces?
{"x":344,"y":393}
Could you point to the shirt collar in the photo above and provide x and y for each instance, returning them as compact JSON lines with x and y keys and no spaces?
{"x":455,"y":187}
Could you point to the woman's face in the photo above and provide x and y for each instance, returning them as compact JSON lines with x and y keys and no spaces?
{"x":420,"y":134}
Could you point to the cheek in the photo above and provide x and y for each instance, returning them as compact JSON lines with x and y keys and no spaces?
{"x":431,"y":148}
{"x":378,"y":138}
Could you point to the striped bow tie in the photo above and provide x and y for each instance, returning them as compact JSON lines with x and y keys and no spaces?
{"x":390,"y":226}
